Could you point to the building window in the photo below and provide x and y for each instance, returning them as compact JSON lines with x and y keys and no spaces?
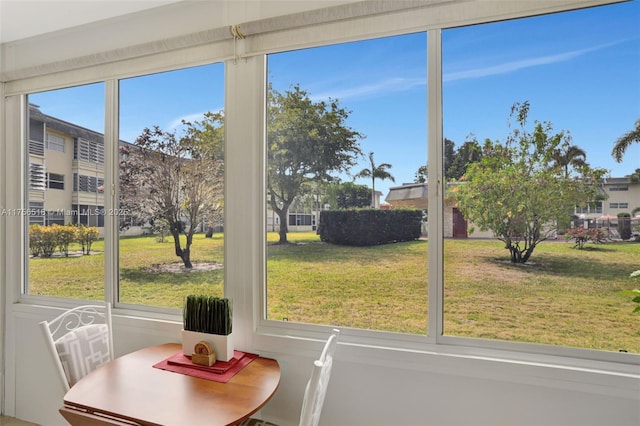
{"x":36,"y":137}
{"x":300,"y":219}
{"x":55,"y":217}
{"x":619,"y":188}
{"x":55,"y":181}
{"x":618,"y":205}
{"x":84,"y":183}
{"x":36,"y":213}
{"x":88,"y":150}
{"x":36,"y":176}
{"x":591,"y":208}
{"x":55,"y":143}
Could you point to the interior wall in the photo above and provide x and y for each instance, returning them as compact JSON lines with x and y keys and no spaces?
{"x":369,"y":385}
{"x":432,"y":389}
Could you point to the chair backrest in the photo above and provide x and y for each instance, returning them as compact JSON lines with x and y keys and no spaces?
{"x":317,"y":386}
{"x":79,"y":340}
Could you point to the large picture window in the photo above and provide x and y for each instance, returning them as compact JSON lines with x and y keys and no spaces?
{"x":532,"y":110}
{"x":346,"y":133}
{"x":65,"y":261}
{"x":171,"y":186}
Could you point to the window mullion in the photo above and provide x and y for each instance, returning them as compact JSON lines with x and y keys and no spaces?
{"x":435,"y":186}
{"x":110,"y":194}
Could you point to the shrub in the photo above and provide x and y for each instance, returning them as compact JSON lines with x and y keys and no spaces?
{"x":367,"y":227}
{"x":35,"y":240}
{"x":48,"y":241}
{"x":86,"y":237}
{"x":582,"y":236}
{"x":65,"y":235}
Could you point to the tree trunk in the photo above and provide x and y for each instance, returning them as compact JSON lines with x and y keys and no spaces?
{"x":284,"y":227}
{"x":184,"y":254}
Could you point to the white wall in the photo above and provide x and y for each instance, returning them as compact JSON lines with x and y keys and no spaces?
{"x":370,"y":385}
{"x":415,"y":389}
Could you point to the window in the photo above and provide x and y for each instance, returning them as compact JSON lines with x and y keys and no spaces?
{"x":36,"y":134}
{"x":55,"y":143}
{"x":618,"y":205}
{"x":546,"y":67}
{"x":36,"y":176}
{"x":88,"y":150}
{"x":55,"y":181}
{"x":84,"y":183}
{"x":171,"y":186}
{"x":75,"y":270}
{"x":619,"y":188}
{"x":322,"y":103}
{"x":55,"y":217}
{"x":36,"y":213}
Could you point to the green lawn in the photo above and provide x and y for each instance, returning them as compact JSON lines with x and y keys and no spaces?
{"x":563,"y":296}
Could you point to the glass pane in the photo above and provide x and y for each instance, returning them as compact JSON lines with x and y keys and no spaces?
{"x":171,"y":186}
{"x":346,"y":152}
{"x":65,"y":225}
{"x":535,"y":250}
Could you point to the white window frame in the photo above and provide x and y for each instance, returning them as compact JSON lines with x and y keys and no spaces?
{"x":246,"y":229}
{"x":55,"y":142}
{"x":50,"y":180}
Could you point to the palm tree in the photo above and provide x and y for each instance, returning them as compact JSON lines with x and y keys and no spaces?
{"x":374,"y":173}
{"x":569,"y":155}
{"x":624,"y":141}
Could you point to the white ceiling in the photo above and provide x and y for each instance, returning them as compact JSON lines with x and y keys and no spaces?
{"x":26,"y":18}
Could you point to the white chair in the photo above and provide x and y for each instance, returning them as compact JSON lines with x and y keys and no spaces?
{"x":79,"y":340}
{"x":316,"y":387}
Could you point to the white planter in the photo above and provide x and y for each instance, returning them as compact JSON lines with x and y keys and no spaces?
{"x":222,"y":345}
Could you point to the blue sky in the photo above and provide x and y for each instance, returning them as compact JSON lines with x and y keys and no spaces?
{"x":578,"y":70}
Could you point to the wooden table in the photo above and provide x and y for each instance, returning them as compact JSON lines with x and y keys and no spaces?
{"x":129,"y":390}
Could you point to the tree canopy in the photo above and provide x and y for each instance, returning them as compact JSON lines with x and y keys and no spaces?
{"x":348,"y":195}
{"x":624,"y":141}
{"x":308,"y":141}
{"x":518,"y":189}
{"x":176,"y":180}
{"x":375,"y":172}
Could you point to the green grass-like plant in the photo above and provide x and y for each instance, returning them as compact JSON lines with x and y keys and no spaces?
{"x":207,"y":314}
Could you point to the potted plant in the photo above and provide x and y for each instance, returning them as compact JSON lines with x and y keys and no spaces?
{"x":208,"y":319}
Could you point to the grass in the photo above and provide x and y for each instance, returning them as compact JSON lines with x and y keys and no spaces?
{"x":563,"y":296}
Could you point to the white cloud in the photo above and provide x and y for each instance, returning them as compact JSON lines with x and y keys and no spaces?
{"x":177,"y":123}
{"x":390,"y":85}
{"x":509,"y":67}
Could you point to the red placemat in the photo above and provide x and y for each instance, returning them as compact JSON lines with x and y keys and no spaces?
{"x":220,"y":371}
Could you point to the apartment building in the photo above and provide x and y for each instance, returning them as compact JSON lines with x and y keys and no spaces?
{"x":66,"y":172}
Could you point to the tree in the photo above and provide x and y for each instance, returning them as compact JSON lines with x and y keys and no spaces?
{"x":307,"y":142}
{"x":375,"y":172}
{"x":469,"y":152}
{"x":625,"y":141}
{"x":348,"y":195}
{"x":176,"y":179}
{"x":569,"y":156}
{"x":422,"y":175}
{"x":517,"y":190}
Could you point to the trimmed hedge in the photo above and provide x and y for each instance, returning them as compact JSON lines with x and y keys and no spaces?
{"x":624,"y":225}
{"x":368,"y":227}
